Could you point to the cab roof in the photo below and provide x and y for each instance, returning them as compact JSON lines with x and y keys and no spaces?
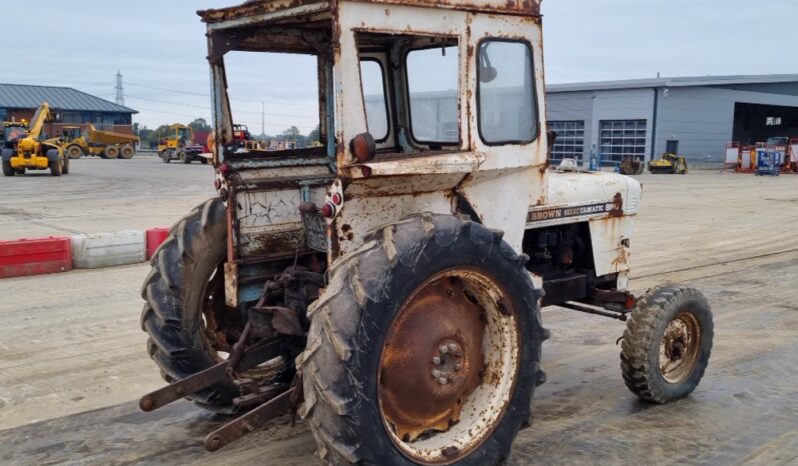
{"x":254,"y":8}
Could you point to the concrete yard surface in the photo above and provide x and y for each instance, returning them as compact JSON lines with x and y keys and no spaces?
{"x":101,"y":195}
{"x":73,"y":360}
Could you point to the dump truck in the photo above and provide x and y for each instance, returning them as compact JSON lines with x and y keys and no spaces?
{"x":178,"y":144}
{"x":34,"y":151}
{"x":88,"y":140}
{"x":386,"y":286}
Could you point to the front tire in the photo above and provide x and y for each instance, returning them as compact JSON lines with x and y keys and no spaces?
{"x":56,"y":166}
{"x":74,"y":152}
{"x":8,"y":170}
{"x":394,"y":371}
{"x":667,"y":344}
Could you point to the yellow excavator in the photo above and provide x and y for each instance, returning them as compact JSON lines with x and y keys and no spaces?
{"x":671,"y":164}
{"x":34,"y":151}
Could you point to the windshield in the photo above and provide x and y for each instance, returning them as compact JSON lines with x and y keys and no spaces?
{"x":13,"y":133}
{"x":274,"y":100}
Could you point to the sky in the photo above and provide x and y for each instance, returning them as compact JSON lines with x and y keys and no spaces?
{"x":160,"y":49}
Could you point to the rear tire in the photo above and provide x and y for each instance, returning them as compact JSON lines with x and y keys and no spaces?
{"x":127,"y":152}
{"x":164,"y":156}
{"x":65,"y":165}
{"x":183,"y":157}
{"x":111,"y":152}
{"x":8,"y":170}
{"x":350,"y":343}
{"x":667,"y":344}
{"x":174,"y":292}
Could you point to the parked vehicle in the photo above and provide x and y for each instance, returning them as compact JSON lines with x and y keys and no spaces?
{"x":178,"y":144}
{"x":88,"y":140}
{"x":387,"y":285}
{"x":34,"y":151}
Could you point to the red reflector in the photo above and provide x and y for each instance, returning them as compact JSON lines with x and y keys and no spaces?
{"x":365,"y":170}
{"x":336,"y":199}
{"x":327,"y":210}
{"x":217,"y":184}
{"x":225,"y":170}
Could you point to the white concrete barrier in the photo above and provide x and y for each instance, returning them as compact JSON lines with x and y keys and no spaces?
{"x":108,"y":249}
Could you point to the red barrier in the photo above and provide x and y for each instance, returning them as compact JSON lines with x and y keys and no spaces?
{"x":155,"y":236}
{"x":35,"y":256}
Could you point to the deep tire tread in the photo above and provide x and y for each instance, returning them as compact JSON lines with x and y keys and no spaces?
{"x":643,"y":334}
{"x":339,"y":312}
{"x":174,"y":342}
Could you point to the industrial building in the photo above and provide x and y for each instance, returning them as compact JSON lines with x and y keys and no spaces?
{"x":70,"y":107}
{"x":692,"y":116}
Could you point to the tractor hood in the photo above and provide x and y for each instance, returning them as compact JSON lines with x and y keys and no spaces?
{"x":581,"y":188}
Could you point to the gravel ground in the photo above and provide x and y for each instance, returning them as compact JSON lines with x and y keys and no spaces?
{"x":73,"y":361}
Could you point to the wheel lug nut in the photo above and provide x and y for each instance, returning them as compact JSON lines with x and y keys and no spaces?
{"x":458,"y":367}
{"x":437,"y":374}
{"x":443,"y":349}
{"x":443,"y":381}
{"x":453,"y":347}
{"x":436,"y":360}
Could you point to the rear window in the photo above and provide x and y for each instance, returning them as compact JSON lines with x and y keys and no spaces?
{"x":432,"y":86}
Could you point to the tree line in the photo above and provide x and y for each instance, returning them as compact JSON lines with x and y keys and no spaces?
{"x":149,"y":137}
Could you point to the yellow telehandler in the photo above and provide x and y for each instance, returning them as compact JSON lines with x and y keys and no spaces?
{"x":34,"y":151}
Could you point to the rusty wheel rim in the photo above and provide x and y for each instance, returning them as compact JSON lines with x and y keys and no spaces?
{"x":448,"y":366}
{"x":680,"y":348}
{"x":220,"y":329}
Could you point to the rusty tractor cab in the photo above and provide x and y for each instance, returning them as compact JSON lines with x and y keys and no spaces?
{"x":387,"y":284}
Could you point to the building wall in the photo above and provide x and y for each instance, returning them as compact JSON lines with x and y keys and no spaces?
{"x":700,"y":118}
{"x":572,"y":106}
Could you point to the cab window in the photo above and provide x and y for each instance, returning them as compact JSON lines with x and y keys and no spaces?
{"x":506,"y":92}
{"x":432,"y":82}
{"x":374,"y":99}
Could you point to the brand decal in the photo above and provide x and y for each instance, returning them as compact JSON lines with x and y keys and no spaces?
{"x":556,"y":213}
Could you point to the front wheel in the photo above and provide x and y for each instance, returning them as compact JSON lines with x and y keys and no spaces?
{"x":165,"y":156}
{"x":667,"y":344}
{"x":8,"y":170}
{"x":74,"y":152}
{"x":425,"y":348}
{"x":56,"y":166}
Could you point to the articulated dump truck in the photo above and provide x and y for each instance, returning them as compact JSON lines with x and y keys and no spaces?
{"x":88,"y":140}
{"x":386,"y":286}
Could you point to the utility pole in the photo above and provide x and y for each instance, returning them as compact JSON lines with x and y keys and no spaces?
{"x":120,"y":96}
{"x":263,"y":118}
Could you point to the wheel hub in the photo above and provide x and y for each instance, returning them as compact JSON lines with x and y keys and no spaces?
{"x":679,"y":348}
{"x":432,"y":360}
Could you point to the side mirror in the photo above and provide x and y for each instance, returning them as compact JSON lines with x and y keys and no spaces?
{"x":487,"y":74}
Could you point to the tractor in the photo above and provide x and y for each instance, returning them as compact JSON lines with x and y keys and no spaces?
{"x":387,"y":286}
